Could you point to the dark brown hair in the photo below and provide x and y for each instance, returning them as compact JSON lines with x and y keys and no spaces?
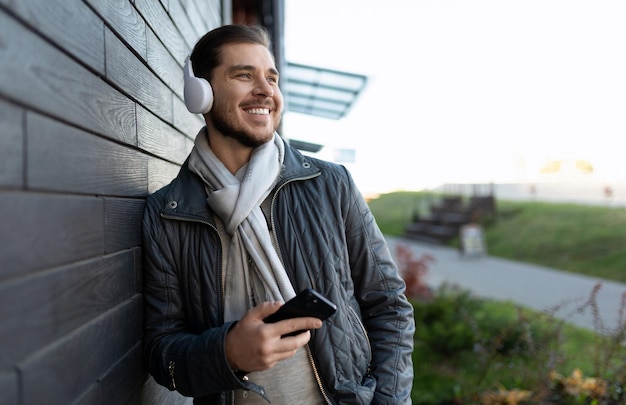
{"x":206,"y":54}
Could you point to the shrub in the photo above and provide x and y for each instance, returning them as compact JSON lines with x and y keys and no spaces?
{"x":473,"y":351}
{"x":413,"y":270}
{"x":444,"y":321}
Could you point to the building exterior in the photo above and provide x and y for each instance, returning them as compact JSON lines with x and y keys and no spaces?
{"x":92,"y":121}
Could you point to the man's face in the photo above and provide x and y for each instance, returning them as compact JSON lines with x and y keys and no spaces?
{"x":248,"y":103}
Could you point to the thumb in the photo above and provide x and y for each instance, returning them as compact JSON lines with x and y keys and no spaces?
{"x":264,"y":309}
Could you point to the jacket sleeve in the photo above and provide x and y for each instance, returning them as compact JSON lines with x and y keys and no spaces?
{"x":386,"y":312}
{"x":194,"y":364}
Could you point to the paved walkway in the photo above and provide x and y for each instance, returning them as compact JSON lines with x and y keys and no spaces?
{"x":533,"y":286}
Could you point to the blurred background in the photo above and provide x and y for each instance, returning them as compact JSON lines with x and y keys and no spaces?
{"x":529,"y":95}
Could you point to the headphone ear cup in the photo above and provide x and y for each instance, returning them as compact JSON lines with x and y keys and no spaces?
{"x":197,"y":91}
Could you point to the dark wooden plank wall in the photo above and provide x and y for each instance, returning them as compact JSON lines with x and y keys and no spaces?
{"x":91,"y":121}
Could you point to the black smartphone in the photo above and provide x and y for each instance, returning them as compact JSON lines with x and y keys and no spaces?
{"x":307,"y":303}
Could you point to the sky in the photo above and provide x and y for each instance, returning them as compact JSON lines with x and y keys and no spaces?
{"x":467,"y":91}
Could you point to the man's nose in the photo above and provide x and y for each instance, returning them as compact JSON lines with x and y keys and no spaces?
{"x":263,"y":89}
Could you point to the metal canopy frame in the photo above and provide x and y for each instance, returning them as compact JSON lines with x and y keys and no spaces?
{"x":321,"y":92}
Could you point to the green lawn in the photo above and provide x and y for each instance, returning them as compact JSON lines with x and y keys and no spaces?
{"x":577,"y":238}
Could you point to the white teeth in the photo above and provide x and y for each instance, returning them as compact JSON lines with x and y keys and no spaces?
{"x":261,"y":111}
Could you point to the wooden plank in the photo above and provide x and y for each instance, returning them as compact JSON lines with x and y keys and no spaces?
{"x":9,"y":386}
{"x":122,"y":223}
{"x":81,"y":162}
{"x":190,"y":144}
{"x":51,"y":377}
{"x":41,"y":77}
{"x":11,"y":145}
{"x":186,"y":122}
{"x":54,"y":303}
{"x":211,"y":11}
{"x":159,"y":21}
{"x":123,"y":19}
{"x":164,"y":65}
{"x":122,"y":382}
{"x":43,"y":230}
{"x":160,"y":139}
{"x":70,"y":24}
{"x":138,"y":255}
{"x":91,"y":396}
{"x":124,"y":69}
{"x":189,"y":24}
{"x":160,"y":173}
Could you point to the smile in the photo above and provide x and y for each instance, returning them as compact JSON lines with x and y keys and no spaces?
{"x":258,"y":111}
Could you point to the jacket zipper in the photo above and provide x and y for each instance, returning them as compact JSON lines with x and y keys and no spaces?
{"x":223,"y":276}
{"x":369,"y":346}
{"x":318,"y":379}
{"x":274,"y":236}
{"x":210,"y":225}
{"x":316,"y":374}
{"x":170,"y":368}
{"x":172,"y":365}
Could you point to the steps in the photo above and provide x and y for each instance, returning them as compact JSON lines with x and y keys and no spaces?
{"x":445,"y":219}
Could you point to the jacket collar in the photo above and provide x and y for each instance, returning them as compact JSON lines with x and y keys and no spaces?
{"x":186,"y":196}
{"x":297,"y":166}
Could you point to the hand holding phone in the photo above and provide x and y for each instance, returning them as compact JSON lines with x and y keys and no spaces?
{"x":308,"y":303}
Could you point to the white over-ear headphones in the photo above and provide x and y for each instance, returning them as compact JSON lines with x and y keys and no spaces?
{"x":198,"y":92}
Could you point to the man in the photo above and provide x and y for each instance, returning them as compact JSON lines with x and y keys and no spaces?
{"x":249,"y":222}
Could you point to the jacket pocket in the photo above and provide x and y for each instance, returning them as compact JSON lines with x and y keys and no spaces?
{"x":360,"y":347}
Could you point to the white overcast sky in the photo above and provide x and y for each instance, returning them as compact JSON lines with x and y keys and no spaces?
{"x":467,"y":90}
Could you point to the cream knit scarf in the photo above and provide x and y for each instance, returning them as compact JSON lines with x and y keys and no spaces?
{"x":236,"y":199}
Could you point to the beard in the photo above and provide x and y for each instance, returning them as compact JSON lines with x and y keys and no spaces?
{"x":226,"y":125}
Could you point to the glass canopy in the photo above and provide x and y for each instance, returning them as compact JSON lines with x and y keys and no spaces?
{"x":321,"y":92}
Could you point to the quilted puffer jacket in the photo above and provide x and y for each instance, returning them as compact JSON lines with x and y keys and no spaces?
{"x":328,"y":241}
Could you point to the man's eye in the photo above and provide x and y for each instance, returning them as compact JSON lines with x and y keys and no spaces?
{"x":272,"y":79}
{"x":244,"y":75}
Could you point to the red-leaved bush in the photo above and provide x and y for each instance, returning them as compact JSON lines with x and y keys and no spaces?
{"x":413,"y":271}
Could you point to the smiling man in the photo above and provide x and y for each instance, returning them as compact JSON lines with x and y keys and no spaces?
{"x":249,"y":222}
